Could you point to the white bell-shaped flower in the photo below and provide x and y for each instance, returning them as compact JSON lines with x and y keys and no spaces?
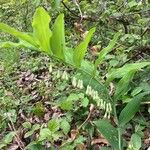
{"x":80,"y":84}
{"x":65,"y":75}
{"x":74,"y":82}
{"x":95,"y":95}
{"x":50,"y":69}
{"x":105,"y":115}
{"x":58,"y":74}
{"x":88,"y":90}
{"x":109,"y":107}
{"x":104,"y":105}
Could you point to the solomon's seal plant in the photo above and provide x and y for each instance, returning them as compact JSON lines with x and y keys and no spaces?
{"x":52,"y":42}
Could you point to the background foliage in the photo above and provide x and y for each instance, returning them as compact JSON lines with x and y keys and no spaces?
{"x":41,"y":110}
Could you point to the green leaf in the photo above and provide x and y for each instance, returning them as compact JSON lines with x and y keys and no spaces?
{"x":130,"y":109}
{"x":7,"y":139}
{"x":81,"y":49}
{"x":29,"y":133}
{"x":54,"y":125}
{"x":21,"y":43}
{"x":41,"y":31}
{"x":106,"y":50}
{"x":106,"y":148}
{"x":85,"y":102}
{"x":34,"y":128}
{"x":123,"y":84}
{"x":136,"y":91}
{"x":136,"y":141}
{"x":65,"y":126}
{"x":39,"y":109}
{"x":57,"y":3}
{"x":10,"y":44}
{"x":27,"y":125}
{"x":34,"y":146}
{"x":21,"y":35}
{"x":45,"y":133}
{"x":58,"y":37}
{"x":66,"y":105}
{"x":108,"y":131}
{"x":120,"y":72}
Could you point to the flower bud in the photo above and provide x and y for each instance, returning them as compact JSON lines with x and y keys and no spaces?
{"x":58,"y":74}
{"x":104,"y":105}
{"x":80,"y":84}
{"x":65,"y":75}
{"x":92,"y":93}
{"x":105,"y":115}
{"x":74,"y":82}
{"x":108,"y":115}
{"x":99,"y":102}
{"x":109,"y":107}
{"x":95,"y":96}
{"x":50,"y":69}
{"x":88,"y":90}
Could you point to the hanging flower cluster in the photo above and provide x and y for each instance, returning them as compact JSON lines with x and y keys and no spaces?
{"x":77,"y":83}
{"x":65,"y":76}
{"x":95,"y":96}
{"x":89,"y":91}
{"x":50,"y":68}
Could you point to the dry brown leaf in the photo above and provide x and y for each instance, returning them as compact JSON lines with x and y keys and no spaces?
{"x":13,"y":147}
{"x":74,"y":133}
{"x":112,"y":89}
{"x":81,"y":147}
{"x":99,"y":140}
{"x":47,"y":116}
{"x":147,"y":141}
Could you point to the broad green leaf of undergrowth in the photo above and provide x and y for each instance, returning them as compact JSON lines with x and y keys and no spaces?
{"x":31,"y":132}
{"x":108,"y":131}
{"x":106,"y":50}
{"x":27,"y":125}
{"x":130,"y":109}
{"x":7,"y":139}
{"x":136,"y":142}
{"x":21,"y":35}
{"x":123,"y":84}
{"x":65,"y":126}
{"x":120,"y":72}
{"x":67,"y":104}
{"x":34,"y":146}
{"x":58,"y":37}
{"x":81,"y":49}
{"x":53,"y":125}
{"x":45,"y":133}
{"x":41,"y":30}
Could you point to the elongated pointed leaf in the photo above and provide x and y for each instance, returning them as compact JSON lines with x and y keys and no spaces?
{"x":109,"y":132}
{"x":106,"y":50}
{"x":58,"y":37}
{"x":21,"y":35}
{"x":10,"y":44}
{"x":120,"y":72}
{"x":130,"y":109}
{"x":41,"y":30}
{"x":122,"y":85}
{"x":81,"y":49}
